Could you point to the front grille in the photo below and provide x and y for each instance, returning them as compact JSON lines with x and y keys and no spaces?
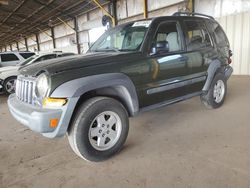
{"x":25,"y":87}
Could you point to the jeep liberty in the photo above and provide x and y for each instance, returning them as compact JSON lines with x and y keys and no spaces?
{"x":131,"y":68}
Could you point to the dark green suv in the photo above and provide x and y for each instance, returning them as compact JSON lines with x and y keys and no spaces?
{"x":134,"y":67}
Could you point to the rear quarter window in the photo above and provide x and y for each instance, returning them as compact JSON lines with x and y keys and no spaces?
{"x":220,"y":36}
{"x":8,"y":57}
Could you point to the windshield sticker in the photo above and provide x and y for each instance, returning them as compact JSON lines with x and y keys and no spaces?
{"x":142,"y":23}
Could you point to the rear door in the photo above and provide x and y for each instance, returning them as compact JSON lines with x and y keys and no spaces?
{"x":200,"y":52}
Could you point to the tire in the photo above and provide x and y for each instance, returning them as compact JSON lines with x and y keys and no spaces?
{"x":98,"y":129}
{"x":9,"y":85}
{"x":214,"y":99}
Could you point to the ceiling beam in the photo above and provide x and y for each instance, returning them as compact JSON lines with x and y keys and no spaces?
{"x":42,"y":21}
{"x":38,"y":10}
{"x":46,"y":18}
{"x":16,"y":9}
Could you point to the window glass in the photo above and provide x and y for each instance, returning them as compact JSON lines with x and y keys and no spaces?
{"x":167,"y":32}
{"x":128,"y":37}
{"x":9,"y":57}
{"x":46,"y":57}
{"x":27,"y":61}
{"x":27,"y":55}
{"x":197,"y":35}
{"x":65,"y":54}
{"x":220,"y":36}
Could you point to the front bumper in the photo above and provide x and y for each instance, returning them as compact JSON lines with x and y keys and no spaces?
{"x":38,"y":119}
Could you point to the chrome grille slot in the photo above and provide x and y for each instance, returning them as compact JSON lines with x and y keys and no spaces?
{"x":25,"y":89}
{"x":30,"y":89}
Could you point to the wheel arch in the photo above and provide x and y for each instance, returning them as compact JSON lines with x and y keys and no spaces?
{"x":114,"y":85}
{"x":6,"y":80}
{"x":213,"y":69}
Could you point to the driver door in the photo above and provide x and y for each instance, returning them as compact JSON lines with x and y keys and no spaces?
{"x":168,"y":62}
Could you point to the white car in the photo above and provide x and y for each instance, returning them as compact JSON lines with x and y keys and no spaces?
{"x":13,"y":58}
{"x":9,"y":74}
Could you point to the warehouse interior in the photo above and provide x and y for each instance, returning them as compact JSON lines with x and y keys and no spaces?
{"x":182,"y":145}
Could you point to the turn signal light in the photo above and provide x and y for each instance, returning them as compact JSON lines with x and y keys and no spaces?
{"x":53,"y":123}
{"x":54,"y":102}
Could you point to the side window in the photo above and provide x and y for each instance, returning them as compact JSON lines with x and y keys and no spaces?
{"x":46,"y":57}
{"x":66,"y":54}
{"x":220,"y":37}
{"x":26,"y":55}
{"x":197,"y":35}
{"x":168,"y":35}
{"x":9,"y":57}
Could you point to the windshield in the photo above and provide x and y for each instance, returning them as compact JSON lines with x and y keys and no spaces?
{"x":28,"y":61}
{"x":122,"y":38}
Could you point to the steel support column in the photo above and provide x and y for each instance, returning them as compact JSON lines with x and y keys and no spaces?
{"x":11,"y":47}
{"x":114,"y":10}
{"x":145,"y":8}
{"x":190,"y":5}
{"x":17,"y":46}
{"x":37,"y":43}
{"x":53,"y":37}
{"x":26,"y":44}
{"x":77,"y":35}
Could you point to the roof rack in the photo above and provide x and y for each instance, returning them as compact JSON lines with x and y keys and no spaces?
{"x":192,"y":14}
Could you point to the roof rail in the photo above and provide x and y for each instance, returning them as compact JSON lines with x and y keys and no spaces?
{"x":192,"y":14}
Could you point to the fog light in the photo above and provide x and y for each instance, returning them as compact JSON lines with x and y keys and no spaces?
{"x":53,"y":123}
{"x":54,"y":102}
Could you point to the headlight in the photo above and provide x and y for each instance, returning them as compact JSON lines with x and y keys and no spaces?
{"x":42,"y":85}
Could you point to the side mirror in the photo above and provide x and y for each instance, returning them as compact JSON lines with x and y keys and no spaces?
{"x":160,"y":47}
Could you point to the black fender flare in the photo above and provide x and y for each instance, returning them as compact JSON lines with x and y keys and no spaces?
{"x":120,"y":82}
{"x":213,"y":68}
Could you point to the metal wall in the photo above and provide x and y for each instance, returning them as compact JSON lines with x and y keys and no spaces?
{"x":234,"y":16}
{"x":237,"y":27}
{"x":129,"y":10}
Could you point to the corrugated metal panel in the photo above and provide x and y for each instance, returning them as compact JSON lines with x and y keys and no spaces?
{"x":237,"y":28}
{"x":46,"y":46}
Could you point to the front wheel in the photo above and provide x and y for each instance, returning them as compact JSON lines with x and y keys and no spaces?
{"x":215,"y":96}
{"x":99,"y":129}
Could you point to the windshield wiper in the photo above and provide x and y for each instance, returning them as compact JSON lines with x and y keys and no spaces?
{"x":127,"y":50}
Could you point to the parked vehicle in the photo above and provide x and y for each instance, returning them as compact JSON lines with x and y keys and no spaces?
{"x":13,"y":58}
{"x":9,"y":74}
{"x":132,"y":68}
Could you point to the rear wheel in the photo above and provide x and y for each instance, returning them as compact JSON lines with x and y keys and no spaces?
{"x":9,"y":85}
{"x":99,"y":129}
{"x":216,"y":95}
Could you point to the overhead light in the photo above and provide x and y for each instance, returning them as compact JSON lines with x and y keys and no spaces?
{"x":50,"y":24}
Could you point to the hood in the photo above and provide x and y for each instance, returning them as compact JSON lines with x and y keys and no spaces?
{"x":9,"y":68}
{"x":72,"y":62}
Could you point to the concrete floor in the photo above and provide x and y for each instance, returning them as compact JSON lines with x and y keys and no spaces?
{"x":183,"y":145}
